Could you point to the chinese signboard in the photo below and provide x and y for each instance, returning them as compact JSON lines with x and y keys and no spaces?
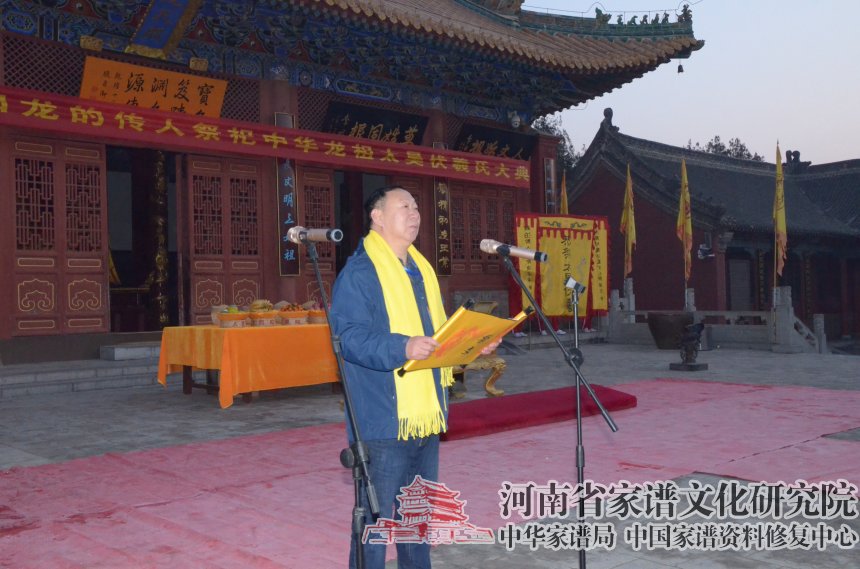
{"x":494,"y":142}
{"x":75,"y":117}
{"x":443,"y":226}
{"x":145,"y":87}
{"x":374,"y":124}
{"x":287,"y":207}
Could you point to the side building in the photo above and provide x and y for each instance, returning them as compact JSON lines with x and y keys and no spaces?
{"x":732,"y":210}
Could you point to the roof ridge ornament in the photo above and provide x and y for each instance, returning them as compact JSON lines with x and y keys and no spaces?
{"x":607,"y":120}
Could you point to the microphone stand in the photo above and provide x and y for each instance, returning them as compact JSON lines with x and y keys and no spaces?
{"x":580,"y":381}
{"x":576,"y":353}
{"x":356,"y":456}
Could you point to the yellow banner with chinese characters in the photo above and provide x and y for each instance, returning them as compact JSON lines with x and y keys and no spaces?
{"x":566,"y":222}
{"x":599,"y":278}
{"x":571,"y":252}
{"x":552,"y":295}
{"x":527,"y":237}
{"x":780,"y":232}
{"x":149,"y":88}
{"x":577,"y":247}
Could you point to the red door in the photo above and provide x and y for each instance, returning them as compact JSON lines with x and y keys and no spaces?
{"x":222,"y":234}
{"x":60,"y":279}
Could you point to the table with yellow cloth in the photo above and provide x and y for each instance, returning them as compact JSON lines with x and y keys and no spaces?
{"x":249,"y":359}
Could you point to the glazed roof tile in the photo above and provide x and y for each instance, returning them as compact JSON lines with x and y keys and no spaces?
{"x":559,"y":41}
{"x":736,"y":194}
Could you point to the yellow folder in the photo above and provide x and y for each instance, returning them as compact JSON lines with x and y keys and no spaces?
{"x":462,"y":337}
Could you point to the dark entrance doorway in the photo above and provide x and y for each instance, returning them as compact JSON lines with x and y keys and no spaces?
{"x":354,"y":187}
{"x":141,"y":197}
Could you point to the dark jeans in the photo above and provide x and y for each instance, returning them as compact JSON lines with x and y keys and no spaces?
{"x":394,"y":464}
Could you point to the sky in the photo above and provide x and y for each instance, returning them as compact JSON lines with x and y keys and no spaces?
{"x":770,"y":70}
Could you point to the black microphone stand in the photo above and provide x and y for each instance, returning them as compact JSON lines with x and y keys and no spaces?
{"x":356,"y":456}
{"x":580,"y":381}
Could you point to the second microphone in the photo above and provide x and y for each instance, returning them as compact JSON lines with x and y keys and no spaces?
{"x":299,"y":234}
{"x":493,"y":247}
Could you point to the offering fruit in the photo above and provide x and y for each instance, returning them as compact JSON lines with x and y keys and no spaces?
{"x":261,"y":305}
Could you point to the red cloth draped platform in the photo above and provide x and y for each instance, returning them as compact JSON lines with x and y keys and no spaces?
{"x":493,"y":415}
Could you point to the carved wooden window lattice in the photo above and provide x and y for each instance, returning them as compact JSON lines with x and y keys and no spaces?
{"x":458,"y":230}
{"x":83,"y":208}
{"x":474,"y":229}
{"x":318,"y":208}
{"x":34,"y":205}
{"x":207,"y":209}
{"x":476,"y":214}
{"x":508,"y":222}
{"x":244,"y":217}
{"x":492,"y":215}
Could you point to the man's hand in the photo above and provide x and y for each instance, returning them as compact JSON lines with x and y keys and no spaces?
{"x":420,"y":347}
{"x":491,"y":347}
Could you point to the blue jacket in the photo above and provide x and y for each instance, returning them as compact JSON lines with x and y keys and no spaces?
{"x":370,"y":350}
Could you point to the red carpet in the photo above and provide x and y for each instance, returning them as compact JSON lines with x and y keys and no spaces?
{"x":281,"y":500}
{"x":493,"y":415}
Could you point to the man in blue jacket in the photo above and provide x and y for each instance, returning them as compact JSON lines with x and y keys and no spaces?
{"x":386,"y":305}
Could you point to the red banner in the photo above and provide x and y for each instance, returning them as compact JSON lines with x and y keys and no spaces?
{"x":104,"y":121}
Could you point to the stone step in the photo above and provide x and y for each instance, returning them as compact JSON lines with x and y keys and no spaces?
{"x":36,"y":389}
{"x":73,"y":376}
{"x":130,"y":351}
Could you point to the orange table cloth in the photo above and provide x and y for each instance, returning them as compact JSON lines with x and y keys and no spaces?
{"x":251,"y":359}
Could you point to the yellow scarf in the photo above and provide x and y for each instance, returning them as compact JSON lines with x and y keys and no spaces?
{"x":418,"y":410}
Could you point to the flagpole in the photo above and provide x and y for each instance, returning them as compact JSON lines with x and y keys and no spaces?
{"x":684,"y":290}
{"x":775,"y":275}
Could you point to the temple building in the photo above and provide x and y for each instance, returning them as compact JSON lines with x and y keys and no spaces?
{"x":732,"y":218}
{"x":155,"y":153}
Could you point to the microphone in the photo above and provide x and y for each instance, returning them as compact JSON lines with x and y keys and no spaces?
{"x":492,"y":246}
{"x":299,"y":234}
{"x":571,"y":283}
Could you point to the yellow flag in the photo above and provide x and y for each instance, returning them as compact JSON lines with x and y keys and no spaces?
{"x":628,"y":225}
{"x":684,"y":226}
{"x":527,"y":237}
{"x":780,"y":232}
{"x":563,"y":208}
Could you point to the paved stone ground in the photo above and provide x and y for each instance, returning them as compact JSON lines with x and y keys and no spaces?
{"x":58,"y":427}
